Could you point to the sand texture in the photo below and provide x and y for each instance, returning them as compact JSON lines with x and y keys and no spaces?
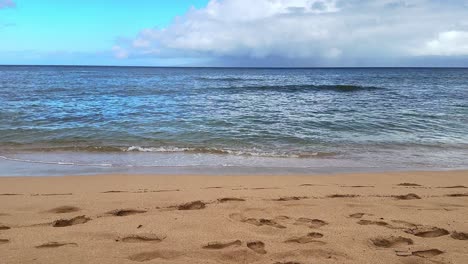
{"x":404,"y":217}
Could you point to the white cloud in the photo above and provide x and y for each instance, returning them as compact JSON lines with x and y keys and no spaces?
{"x":119,"y":52}
{"x":448,"y":43}
{"x":7,"y":4}
{"x":307,"y":29}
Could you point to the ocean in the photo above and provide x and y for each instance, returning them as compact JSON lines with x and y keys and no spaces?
{"x":84,"y":120}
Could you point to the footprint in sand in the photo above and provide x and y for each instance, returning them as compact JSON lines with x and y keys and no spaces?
{"x":239,"y":189}
{"x":391,"y":242}
{"x":357,"y":215}
{"x":230,"y":199}
{"x":427,"y":231}
{"x":459,"y":235}
{"x":56,"y":245}
{"x":4,"y":227}
{"x":4,"y":241}
{"x":257,"y":246}
{"x":114,"y":192}
{"x":370,"y":222}
{"x":171,"y":190}
{"x":310,"y":185}
{"x":159,"y":254}
{"x":64,"y":209}
{"x":149,"y":238}
{"x":263,"y":222}
{"x":69,"y":222}
{"x":454,"y":187}
{"x":309,"y":238}
{"x":237,"y":217}
{"x":125,"y":212}
{"x":357,"y":186}
{"x":409,"y":196}
{"x":312,"y":223}
{"x":457,"y":195}
{"x":290,"y":198}
{"x":51,"y":194}
{"x":427,"y":253}
{"x":258,"y":222}
{"x":196,"y":205}
{"x":155,"y":191}
{"x":342,"y":196}
{"x":408,"y":184}
{"x":221,"y":245}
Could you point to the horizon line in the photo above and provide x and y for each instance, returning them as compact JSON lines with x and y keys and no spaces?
{"x":237,"y":67}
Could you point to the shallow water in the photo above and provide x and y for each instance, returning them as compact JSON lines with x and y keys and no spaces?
{"x":131,"y":119}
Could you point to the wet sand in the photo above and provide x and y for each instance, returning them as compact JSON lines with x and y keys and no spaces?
{"x":399,"y":217}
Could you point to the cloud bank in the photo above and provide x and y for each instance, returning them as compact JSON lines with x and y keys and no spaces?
{"x":7,"y":4}
{"x":309,"y":31}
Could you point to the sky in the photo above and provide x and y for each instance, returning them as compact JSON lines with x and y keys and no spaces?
{"x":260,"y":33}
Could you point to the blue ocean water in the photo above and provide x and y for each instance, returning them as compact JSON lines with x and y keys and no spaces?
{"x":101,"y":119}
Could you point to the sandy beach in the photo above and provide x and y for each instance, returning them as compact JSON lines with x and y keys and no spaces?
{"x":234,"y":132}
{"x":404,"y":217}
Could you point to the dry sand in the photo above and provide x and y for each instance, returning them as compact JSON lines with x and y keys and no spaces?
{"x":411,"y":217}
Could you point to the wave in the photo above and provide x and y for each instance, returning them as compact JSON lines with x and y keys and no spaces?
{"x":154,"y":149}
{"x":306,"y":87}
{"x":217,"y":151}
{"x":18,"y":156}
{"x":174,"y":149}
{"x":228,"y":79}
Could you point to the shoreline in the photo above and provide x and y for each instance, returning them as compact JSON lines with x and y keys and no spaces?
{"x":396,"y":217}
{"x":75,"y":163}
{"x":398,"y":172}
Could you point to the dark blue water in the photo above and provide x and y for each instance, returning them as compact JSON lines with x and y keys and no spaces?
{"x":124,"y":117}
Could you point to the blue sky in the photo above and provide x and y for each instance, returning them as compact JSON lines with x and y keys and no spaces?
{"x":85,"y":25}
{"x":34,"y":31}
{"x":235,"y":32}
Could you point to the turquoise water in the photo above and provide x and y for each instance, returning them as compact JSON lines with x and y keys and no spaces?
{"x":98,"y":119}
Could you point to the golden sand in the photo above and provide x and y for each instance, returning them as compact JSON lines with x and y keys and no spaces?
{"x":404,"y":217}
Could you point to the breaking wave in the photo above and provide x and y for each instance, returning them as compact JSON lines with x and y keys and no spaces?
{"x":188,"y":150}
{"x":217,"y":151}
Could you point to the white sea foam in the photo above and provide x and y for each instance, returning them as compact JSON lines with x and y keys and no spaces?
{"x":156,"y":149}
{"x":216,"y":151}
